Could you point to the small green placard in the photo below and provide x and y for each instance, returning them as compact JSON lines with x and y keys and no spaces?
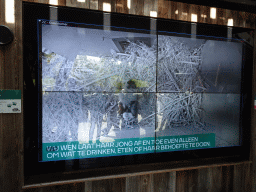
{"x":77,"y":150}
{"x":10,"y":94}
{"x":10,"y":101}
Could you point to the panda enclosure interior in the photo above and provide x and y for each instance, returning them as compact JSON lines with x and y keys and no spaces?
{"x":99,"y":84}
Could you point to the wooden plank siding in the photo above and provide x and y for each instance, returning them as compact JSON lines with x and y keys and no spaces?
{"x":238,"y":177}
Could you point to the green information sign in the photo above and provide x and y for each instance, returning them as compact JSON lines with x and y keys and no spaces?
{"x":77,"y":150}
{"x":10,"y":101}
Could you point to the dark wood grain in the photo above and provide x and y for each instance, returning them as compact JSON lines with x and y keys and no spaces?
{"x":87,"y":186}
{"x":161,"y":182}
{"x":242,"y":19}
{"x":137,"y":7}
{"x":214,"y":178}
{"x":19,"y":85}
{"x":94,"y":4}
{"x":112,"y":185}
{"x":164,"y":9}
{"x":142,"y":183}
{"x":121,"y":6}
{"x":227,"y":178}
{"x":63,"y":2}
{"x":204,"y":14}
{"x":149,"y":5}
{"x":186,"y":180}
{"x":172,"y":181}
{"x":242,"y":179}
{"x":194,"y":9}
{"x":251,"y":20}
{"x":71,"y":3}
{"x":174,"y":10}
{"x":182,"y":12}
{"x":234,"y":15}
{"x":204,"y":180}
{"x":221,"y":16}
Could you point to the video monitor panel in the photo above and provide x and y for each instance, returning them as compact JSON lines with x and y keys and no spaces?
{"x":199,"y":89}
{"x":98,"y":90}
{"x":113,"y":91}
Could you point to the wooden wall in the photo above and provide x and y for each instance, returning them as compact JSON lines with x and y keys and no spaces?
{"x":230,"y":177}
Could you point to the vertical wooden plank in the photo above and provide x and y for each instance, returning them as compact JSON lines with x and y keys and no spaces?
{"x":186,"y":9}
{"x":161,"y":181}
{"x":242,"y":18}
{"x":194,"y":9}
{"x":71,"y":3}
{"x":181,"y":181}
{"x":254,"y":21}
{"x":242,"y":177}
{"x":203,"y":179}
{"x":88,"y":186}
{"x":234,"y":15}
{"x":186,"y":180}
{"x":137,"y":7}
{"x":248,"y":20}
{"x":174,"y":10}
{"x":117,"y":185}
{"x":94,"y":4}
{"x":121,"y":6}
{"x":221,"y":16}
{"x":179,"y":11}
{"x":227,"y":178}
{"x":204,"y":14}
{"x":63,"y":2}
{"x":239,"y":19}
{"x":183,"y":9}
{"x":75,"y":3}
{"x":237,"y":180}
{"x":214,"y":179}
{"x":19,"y":83}
{"x":247,"y":177}
{"x":142,"y":183}
{"x":172,"y":181}
{"x":164,"y":9}
{"x":251,"y":21}
{"x":149,"y":5}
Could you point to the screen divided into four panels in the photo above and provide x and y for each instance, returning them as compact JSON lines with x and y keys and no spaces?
{"x":117,"y":92}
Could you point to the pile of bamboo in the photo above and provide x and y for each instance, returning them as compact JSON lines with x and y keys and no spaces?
{"x":179,"y":82}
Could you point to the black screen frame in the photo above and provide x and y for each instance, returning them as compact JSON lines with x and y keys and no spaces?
{"x":40,"y":172}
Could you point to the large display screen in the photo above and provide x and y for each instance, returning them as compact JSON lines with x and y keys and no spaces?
{"x":108,"y":90}
{"x":111,"y":94}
